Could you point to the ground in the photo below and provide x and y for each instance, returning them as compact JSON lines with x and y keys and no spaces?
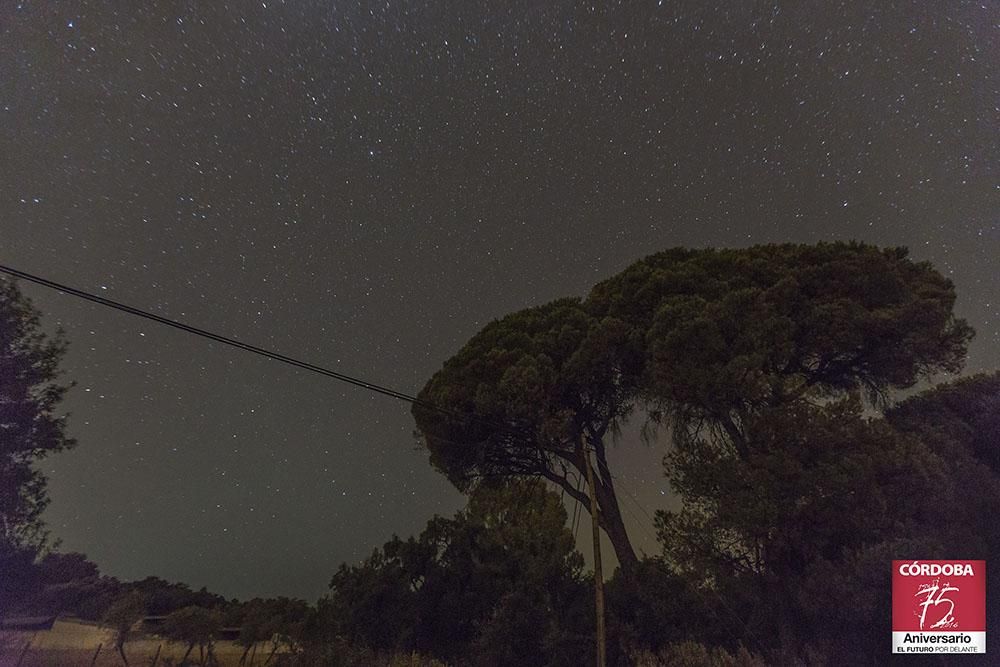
{"x":72,"y":643}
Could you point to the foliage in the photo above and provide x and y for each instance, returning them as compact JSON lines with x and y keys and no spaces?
{"x":960,"y":423}
{"x":163,"y":597}
{"x":728,"y":332}
{"x":194,"y":626}
{"x":122,"y":616}
{"x":339,"y":653}
{"x":758,"y":360}
{"x":18,"y":576}
{"x":693,"y":654}
{"x":467,"y":586}
{"x":655,"y":607}
{"x":30,"y":426}
{"x":817,"y":479}
{"x":960,"y":419}
{"x":69,"y":583}
{"x":62,"y":568}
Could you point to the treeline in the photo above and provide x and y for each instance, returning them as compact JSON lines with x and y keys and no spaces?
{"x":70,"y":585}
{"x":781,"y":556}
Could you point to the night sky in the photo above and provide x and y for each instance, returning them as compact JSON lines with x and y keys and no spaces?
{"x":366,"y":185}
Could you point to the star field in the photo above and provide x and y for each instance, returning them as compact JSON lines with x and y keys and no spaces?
{"x":364,"y":185}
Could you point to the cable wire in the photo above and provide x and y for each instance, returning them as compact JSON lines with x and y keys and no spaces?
{"x":276,"y":356}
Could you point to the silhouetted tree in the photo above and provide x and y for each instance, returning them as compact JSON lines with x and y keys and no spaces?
{"x":757,"y":360}
{"x":19,"y":579}
{"x":960,"y":423}
{"x":30,"y":429}
{"x":284,"y":624}
{"x":124,"y":613}
{"x":727,"y":333}
{"x":163,"y":597}
{"x":30,"y":426}
{"x":194,"y":626}
{"x":255,"y":626}
{"x":959,"y":419}
{"x":62,"y":568}
{"x":466,"y":587}
{"x":531,"y":391}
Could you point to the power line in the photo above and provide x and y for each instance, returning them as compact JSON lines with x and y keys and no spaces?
{"x":276,"y":356}
{"x":298,"y":363}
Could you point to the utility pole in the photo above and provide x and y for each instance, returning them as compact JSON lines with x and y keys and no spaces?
{"x":602,"y":651}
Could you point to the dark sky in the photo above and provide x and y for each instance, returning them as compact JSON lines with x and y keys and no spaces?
{"x":365,"y":185}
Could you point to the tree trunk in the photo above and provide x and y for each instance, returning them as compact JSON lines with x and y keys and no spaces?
{"x":614,"y":526}
{"x":611,"y":515}
{"x":93,"y":661}
{"x":602,"y":648}
{"x":121,"y":652}
{"x":187,"y":653}
{"x":609,"y":511}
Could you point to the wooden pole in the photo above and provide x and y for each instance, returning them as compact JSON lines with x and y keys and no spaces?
{"x":602,"y":651}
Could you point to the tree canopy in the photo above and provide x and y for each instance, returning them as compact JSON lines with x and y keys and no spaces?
{"x":30,"y":425}
{"x":499,"y":581}
{"x":759,"y":360}
{"x":728,"y":330}
{"x":193,"y":626}
{"x":531,"y":391}
{"x":122,"y":616}
{"x":708,"y":340}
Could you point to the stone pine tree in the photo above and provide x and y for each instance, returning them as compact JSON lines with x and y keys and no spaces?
{"x":708,"y":341}
{"x":758,"y":360}
{"x":525,"y":396}
{"x":734,"y":341}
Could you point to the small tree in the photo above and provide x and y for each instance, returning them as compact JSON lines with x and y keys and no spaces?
{"x":194,"y":626}
{"x":255,"y":627}
{"x":285,"y":624}
{"x":122,"y":617}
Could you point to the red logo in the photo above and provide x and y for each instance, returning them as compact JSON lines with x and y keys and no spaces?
{"x":939,"y":606}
